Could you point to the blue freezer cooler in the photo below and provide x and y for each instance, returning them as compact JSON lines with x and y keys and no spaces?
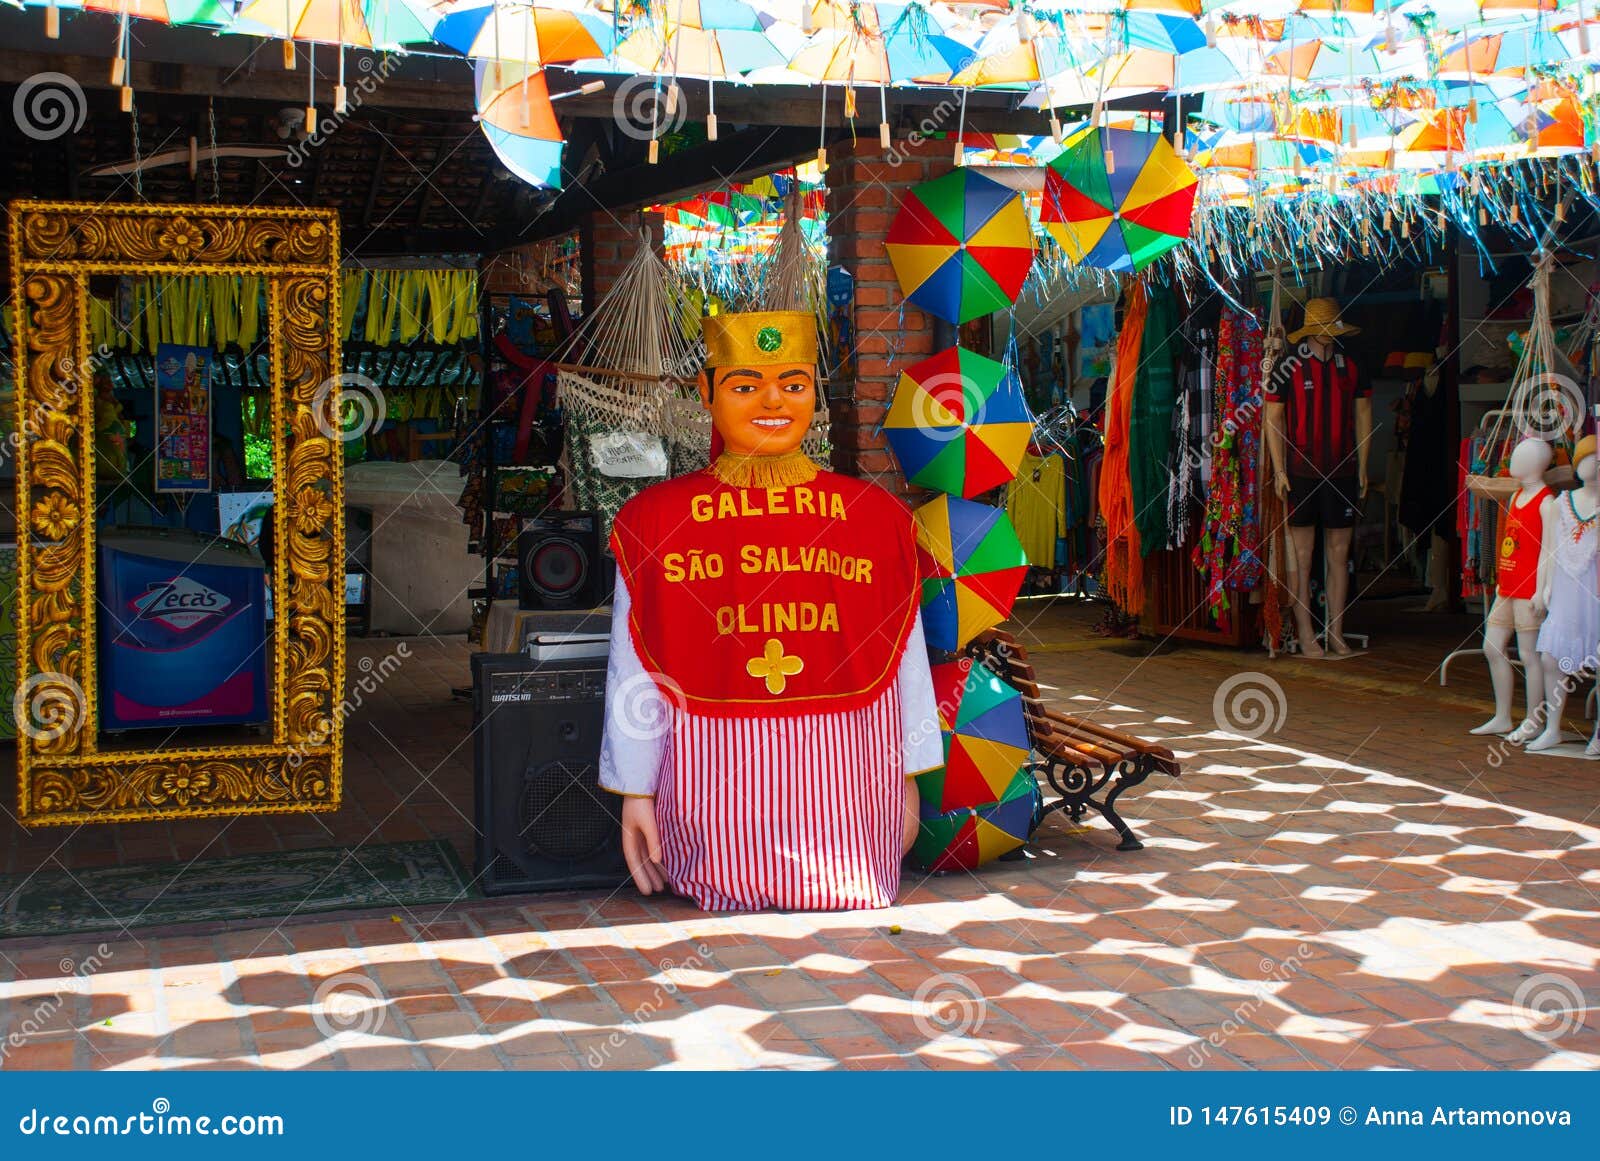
{"x":182,"y":630}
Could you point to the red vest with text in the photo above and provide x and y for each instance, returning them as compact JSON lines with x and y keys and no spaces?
{"x":787,"y":600}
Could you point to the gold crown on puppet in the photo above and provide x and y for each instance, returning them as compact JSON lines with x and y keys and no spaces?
{"x":760,"y":338}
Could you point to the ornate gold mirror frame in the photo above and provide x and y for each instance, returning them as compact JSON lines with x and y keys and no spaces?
{"x":63,"y":775}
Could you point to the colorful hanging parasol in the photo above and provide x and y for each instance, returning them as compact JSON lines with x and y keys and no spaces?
{"x":961,"y":246}
{"x":533,"y":32}
{"x":972,"y":566}
{"x":965,"y":839}
{"x":515,"y":114}
{"x":985,"y":738}
{"x":959,"y":423}
{"x":1118,"y":199}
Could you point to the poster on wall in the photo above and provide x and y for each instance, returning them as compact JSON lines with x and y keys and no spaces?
{"x":239,"y":515}
{"x":183,"y":418}
{"x":1097,"y":340}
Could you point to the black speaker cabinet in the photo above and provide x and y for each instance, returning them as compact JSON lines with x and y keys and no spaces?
{"x":544,"y":824}
{"x":561,"y":563}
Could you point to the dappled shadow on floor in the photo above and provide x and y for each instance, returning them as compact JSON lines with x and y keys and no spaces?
{"x":1358,"y":886}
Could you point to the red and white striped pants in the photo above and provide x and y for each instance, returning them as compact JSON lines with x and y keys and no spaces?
{"x":801,"y":812}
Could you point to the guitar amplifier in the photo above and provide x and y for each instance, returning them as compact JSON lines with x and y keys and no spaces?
{"x":544,"y":823}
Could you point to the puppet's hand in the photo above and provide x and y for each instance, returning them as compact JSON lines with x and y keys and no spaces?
{"x":1280,"y":484}
{"x":641,"y":844}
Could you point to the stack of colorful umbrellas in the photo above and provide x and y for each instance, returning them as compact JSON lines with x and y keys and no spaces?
{"x":961,"y":246}
{"x":972,"y":567}
{"x":959,"y":423}
{"x":980,"y":804}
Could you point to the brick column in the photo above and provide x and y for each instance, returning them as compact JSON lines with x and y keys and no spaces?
{"x":606,"y":243}
{"x":865,"y":183}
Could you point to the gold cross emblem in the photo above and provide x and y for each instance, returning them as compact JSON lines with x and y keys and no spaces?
{"x":773,"y":666}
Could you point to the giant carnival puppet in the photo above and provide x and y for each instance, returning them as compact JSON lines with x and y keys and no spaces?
{"x":768,"y":696}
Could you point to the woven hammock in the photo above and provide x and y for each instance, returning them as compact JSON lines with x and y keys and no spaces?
{"x":615,"y":376}
{"x":1546,"y":401}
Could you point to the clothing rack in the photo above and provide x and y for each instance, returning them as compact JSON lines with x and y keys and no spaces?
{"x":1488,"y":598}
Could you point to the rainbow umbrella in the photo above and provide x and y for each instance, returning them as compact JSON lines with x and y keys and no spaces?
{"x":959,"y":423}
{"x":985,"y":738}
{"x":961,"y":246}
{"x":971,"y":564}
{"x":1118,"y":199}
{"x":210,"y":13}
{"x":535,"y":32}
{"x":515,"y":114}
{"x":341,"y":22}
{"x":966,"y":838}
{"x":880,"y":44}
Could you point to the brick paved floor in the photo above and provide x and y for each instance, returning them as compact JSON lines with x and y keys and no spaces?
{"x":1363,"y":885}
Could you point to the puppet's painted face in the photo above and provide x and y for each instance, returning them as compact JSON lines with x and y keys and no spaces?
{"x":760,"y":411}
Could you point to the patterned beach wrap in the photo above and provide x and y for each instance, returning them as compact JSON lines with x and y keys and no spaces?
{"x":795,"y":599}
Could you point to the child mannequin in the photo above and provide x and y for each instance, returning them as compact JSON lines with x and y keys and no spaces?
{"x":1571,"y":630}
{"x":1517,"y":603}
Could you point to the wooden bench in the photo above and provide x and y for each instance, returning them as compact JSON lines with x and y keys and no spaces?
{"x":1079,"y":758}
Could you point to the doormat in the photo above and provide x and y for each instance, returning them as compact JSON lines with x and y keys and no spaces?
{"x":393,"y":876}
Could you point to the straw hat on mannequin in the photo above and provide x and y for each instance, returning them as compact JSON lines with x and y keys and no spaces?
{"x":1322,"y":321}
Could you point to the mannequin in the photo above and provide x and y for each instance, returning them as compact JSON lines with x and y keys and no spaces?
{"x":1518,"y":604}
{"x":1571,"y":630}
{"x":1319,"y":432}
{"x":768,"y":683}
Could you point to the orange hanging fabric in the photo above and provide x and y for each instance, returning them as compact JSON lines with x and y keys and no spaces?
{"x":1124,"y":563}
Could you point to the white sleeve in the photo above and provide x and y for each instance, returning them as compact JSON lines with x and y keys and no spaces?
{"x":922,"y":744}
{"x":638,"y":718}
